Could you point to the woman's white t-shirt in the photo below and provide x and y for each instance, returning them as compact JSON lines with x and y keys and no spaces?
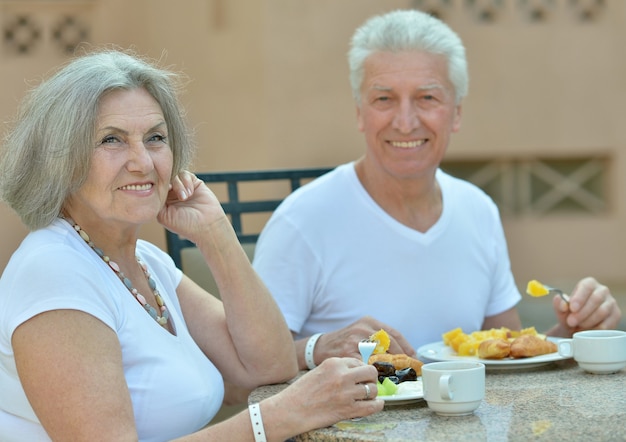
{"x":175,"y":390}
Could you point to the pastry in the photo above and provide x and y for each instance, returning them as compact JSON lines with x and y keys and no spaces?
{"x":399,"y":361}
{"x":528,"y":345}
{"x":494,"y":349}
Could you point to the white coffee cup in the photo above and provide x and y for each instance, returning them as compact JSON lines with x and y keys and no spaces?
{"x":596,"y":351}
{"x":453,"y":388}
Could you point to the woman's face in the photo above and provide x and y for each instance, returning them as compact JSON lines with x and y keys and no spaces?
{"x":131,"y":164}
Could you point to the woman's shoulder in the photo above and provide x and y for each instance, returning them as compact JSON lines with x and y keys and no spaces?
{"x":53,"y":268}
{"x":50,"y":246}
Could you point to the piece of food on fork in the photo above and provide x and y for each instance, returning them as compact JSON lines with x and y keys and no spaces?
{"x":537,"y":289}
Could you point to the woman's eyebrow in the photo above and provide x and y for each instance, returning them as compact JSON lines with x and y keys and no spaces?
{"x":159,"y":125}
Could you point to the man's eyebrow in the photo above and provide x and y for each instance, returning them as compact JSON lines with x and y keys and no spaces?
{"x":427,"y":87}
{"x":430,"y":87}
{"x":382,"y":88}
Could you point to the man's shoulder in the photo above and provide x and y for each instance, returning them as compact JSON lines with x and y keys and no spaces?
{"x":319,"y":193}
{"x":461,"y":187}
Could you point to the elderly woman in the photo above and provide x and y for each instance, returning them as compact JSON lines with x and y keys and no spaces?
{"x":101,"y":336}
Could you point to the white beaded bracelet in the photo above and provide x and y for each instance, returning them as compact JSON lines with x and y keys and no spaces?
{"x":257,"y":423}
{"x":309,"y":349}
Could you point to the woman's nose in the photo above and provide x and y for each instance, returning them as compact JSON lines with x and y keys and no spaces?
{"x":139,"y":156}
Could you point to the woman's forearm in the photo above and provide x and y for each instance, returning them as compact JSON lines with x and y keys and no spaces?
{"x":256,"y":324}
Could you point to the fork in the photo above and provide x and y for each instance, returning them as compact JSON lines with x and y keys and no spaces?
{"x":366,"y":348}
{"x":556,"y":291}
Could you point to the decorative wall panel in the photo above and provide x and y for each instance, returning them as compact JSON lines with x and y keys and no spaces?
{"x":540,"y":186}
{"x":32,"y":26}
{"x":534,"y":11}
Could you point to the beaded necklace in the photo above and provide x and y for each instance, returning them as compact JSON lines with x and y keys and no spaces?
{"x":165,"y":314}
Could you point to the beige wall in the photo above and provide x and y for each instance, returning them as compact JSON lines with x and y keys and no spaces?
{"x":269,"y":89}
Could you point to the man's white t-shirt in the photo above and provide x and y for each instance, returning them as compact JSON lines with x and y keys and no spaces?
{"x":330,"y":255}
{"x":174,"y":388}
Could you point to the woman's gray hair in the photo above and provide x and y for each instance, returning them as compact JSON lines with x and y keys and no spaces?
{"x":407,"y":30}
{"x":47,"y":155}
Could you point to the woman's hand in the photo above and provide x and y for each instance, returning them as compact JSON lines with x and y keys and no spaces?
{"x":190,"y":208}
{"x":333,"y":391}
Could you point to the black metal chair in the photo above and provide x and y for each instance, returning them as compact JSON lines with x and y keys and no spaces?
{"x":235,"y":207}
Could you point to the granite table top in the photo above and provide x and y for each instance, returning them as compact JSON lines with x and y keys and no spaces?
{"x":555,"y":402}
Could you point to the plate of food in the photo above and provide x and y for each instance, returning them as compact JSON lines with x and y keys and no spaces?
{"x":399,"y":375}
{"x":496,"y":348}
{"x":407,"y":392}
{"x":438,"y":351}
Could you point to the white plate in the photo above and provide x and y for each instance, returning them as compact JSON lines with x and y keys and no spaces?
{"x":438,"y":351}
{"x":408,"y":392}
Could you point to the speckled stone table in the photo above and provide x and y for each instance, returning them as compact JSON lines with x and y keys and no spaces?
{"x":555,"y":402}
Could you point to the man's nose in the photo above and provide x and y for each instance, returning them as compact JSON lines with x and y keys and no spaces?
{"x":406,"y":119}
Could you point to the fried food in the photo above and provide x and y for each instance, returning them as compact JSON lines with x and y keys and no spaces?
{"x":399,"y":361}
{"x":529,"y":345}
{"x":467,"y":344}
{"x":494,"y":349}
{"x":492,"y":344}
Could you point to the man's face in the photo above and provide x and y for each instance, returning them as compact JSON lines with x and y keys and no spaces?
{"x":407,"y":111}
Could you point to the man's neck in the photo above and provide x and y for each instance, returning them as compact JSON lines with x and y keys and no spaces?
{"x":415,"y":202}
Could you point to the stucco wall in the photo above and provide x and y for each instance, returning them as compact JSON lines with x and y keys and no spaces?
{"x":269,"y":89}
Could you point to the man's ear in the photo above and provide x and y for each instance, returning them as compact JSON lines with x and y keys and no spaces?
{"x":359,"y":118}
{"x":456,"y":123}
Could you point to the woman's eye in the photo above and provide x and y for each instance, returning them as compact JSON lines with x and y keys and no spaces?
{"x":157,"y":138}
{"x":109,"y":140}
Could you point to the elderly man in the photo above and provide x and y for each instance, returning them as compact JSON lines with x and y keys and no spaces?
{"x":390,"y":240}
